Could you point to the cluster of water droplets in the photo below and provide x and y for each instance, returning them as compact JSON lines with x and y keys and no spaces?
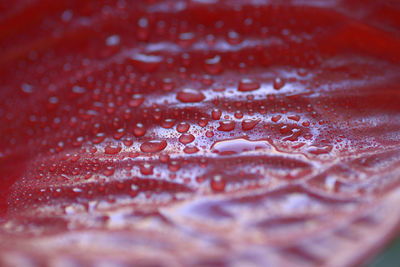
{"x":156,"y":104}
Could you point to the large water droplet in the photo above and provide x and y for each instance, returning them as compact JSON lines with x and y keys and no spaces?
{"x":249,"y":124}
{"x":238,"y":145}
{"x":146,"y":63}
{"x":182,"y":127}
{"x":246,"y":85}
{"x":139,"y":130}
{"x":294,"y":117}
{"x":153,"y":146}
{"x":226,"y":126}
{"x":189,"y":95}
{"x":189,"y":149}
{"x":276,"y":118}
{"x":186,"y":138}
{"x":112,"y":149}
{"x":319,"y":150}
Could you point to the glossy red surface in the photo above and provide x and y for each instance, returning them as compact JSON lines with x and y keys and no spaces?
{"x":198,"y":133}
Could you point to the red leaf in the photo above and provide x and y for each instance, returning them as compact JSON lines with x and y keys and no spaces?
{"x":187,"y":133}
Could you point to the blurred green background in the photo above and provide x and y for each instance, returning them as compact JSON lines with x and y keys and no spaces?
{"x":390,"y":257}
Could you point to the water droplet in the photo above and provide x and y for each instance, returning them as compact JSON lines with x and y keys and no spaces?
{"x":27,"y":88}
{"x":216,"y":114}
{"x":189,"y":95}
{"x":203,"y":122}
{"x":146,"y":169}
{"x":163,"y":158}
{"x":226,"y":126}
{"x":210,"y":39}
{"x":294,"y":117}
{"x":209,"y":134}
{"x":78,"y":90}
{"x":134,"y":190}
{"x":238,"y":114}
{"x":167,"y":84}
{"x":213,"y":65}
{"x":67,"y":15}
{"x":186,"y":138}
{"x":319,"y":150}
{"x":302,"y":72}
{"x":168,"y":123}
{"x":112,"y":40}
{"x":142,"y":32}
{"x":285,"y":130}
{"x":52,"y":102}
{"x":119,"y":134}
{"x":186,"y":39}
{"x":182,"y":127}
{"x":246,"y":85}
{"x":207,"y":80}
{"x":233,"y":38}
{"x":139,"y":130}
{"x":146,"y":63}
{"x":276,"y":118}
{"x":238,"y":145}
{"x":278,"y":83}
{"x":157,"y":114}
{"x":99,"y":138}
{"x":249,"y":124}
{"x":174,"y":166}
{"x":190,"y":149}
{"x":136,"y":100}
{"x":153,"y":146}
{"x":109,"y":171}
{"x":218,"y":183}
{"x":112,"y":149}
{"x":128,"y":141}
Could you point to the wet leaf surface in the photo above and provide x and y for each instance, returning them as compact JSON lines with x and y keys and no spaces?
{"x":192,"y":133}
